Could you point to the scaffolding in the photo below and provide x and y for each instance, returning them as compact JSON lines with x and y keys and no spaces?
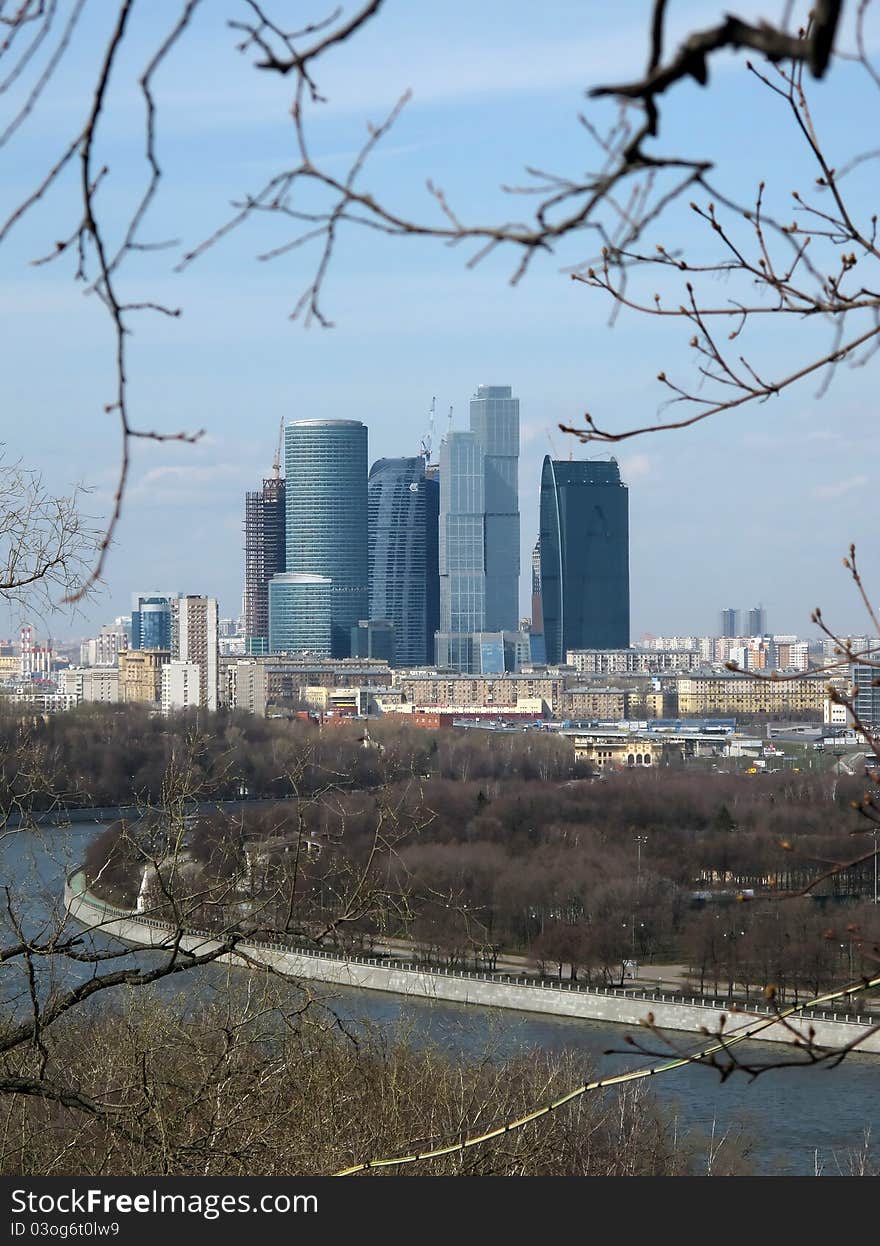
{"x":264,"y":552}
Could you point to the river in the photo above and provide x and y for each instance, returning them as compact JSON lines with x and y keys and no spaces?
{"x":798,"y":1120}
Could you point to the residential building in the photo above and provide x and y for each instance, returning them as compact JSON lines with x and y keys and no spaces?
{"x":194,"y":638}
{"x":90,"y":684}
{"x":265,"y":548}
{"x":403,"y":504}
{"x":326,"y":516}
{"x":584,"y":510}
{"x":181,"y":686}
{"x":140,"y":675}
{"x":736,"y":694}
{"x":866,"y":695}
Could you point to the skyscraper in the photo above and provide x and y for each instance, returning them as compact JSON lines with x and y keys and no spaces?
{"x":757,"y":621}
{"x":495,"y":424}
{"x":403,"y":507}
{"x":194,"y":639}
{"x":151,"y":620}
{"x":479,"y":526}
{"x":300,"y":605}
{"x":326,"y":516}
{"x":584,"y":557}
{"x":730,"y":622}
{"x":265,"y":553}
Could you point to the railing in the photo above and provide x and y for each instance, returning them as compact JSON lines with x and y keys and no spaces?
{"x":278,"y":945}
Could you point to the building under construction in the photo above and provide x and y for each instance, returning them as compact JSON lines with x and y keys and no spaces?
{"x":264,"y":556}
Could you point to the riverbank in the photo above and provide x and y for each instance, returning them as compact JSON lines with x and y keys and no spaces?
{"x":694,"y":1015}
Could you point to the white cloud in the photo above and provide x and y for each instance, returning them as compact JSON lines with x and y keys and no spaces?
{"x":635,"y":467}
{"x":836,"y":490}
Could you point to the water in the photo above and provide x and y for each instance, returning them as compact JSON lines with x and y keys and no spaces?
{"x":798,"y":1119}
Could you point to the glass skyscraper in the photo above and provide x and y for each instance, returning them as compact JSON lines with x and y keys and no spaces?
{"x":403,"y":507}
{"x":584,"y":557}
{"x":479,"y":526}
{"x":300,"y":610}
{"x":326,"y":516}
{"x":151,"y":620}
{"x":495,"y":424}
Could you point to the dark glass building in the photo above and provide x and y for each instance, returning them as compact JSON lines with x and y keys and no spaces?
{"x":264,"y":555}
{"x":403,"y":505}
{"x":326,"y":516}
{"x":584,"y":557}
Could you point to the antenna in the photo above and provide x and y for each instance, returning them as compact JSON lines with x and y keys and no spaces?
{"x":449,"y":421}
{"x":428,"y":441}
{"x":276,"y":462}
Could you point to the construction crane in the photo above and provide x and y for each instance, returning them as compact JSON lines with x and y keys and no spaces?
{"x":276,"y":462}
{"x":428,"y":441}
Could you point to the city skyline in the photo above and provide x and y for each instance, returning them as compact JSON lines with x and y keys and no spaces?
{"x":795,"y":489}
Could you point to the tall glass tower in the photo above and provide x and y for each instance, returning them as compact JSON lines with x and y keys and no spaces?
{"x":495,"y":424}
{"x":403,"y":506}
{"x":584,"y":557}
{"x":462,"y":534}
{"x":326,"y":516}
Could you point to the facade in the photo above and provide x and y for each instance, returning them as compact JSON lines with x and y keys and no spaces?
{"x":479,"y":527}
{"x":105,"y":648}
{"x":483,"y":653}
{"x":151,"y":620}
{"x":265,"y":551}
{"x":90,"y":684}
{"x":301,"y":614}
{"x":140,"y":675}
{"x":632,"y":661}
{"x":403,"y":504}
{"x":326,"y":516}
{"x":181,"y":686}
{"x":375,"y":638}
{"x":866,"y":695}
{"x":194,"y":638}
{"x":584,"y":557}
{"x":257,"y":683}
{"x":736,"y":694}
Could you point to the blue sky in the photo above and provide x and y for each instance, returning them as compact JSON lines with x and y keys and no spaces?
{"x":756,"y":506}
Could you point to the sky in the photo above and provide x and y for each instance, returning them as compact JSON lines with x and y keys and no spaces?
{"x":755,"y":506}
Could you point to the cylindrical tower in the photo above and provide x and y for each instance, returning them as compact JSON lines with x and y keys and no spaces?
{"x":326,"y":502}
{"x":299,"y":613}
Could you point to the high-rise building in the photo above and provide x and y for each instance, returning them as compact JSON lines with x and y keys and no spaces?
{"x":374,"y":638}
{"x":300,"y":613}
{"x":326,"y":516}
{"x":194,"y":638}
{"x":403,"y":506}
{"x":584,"y":557}
{"x":479,"y":525}
{"x":757,"y":621}
{"x":151,"y":620}
{"x":866,"y":695}
{"x":495,"y":424}
{"x":729,"y":623}
{"x":265,"y":552}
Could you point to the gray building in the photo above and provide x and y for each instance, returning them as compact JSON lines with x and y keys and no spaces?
{"x":866,"y":695}
{"x":479,"y":526}
{"x":729,"y":623}
{"x":265,"y":554}
{"x":403,"y":504}
{"x":584,"y":557}
{"x":326,"y":516}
